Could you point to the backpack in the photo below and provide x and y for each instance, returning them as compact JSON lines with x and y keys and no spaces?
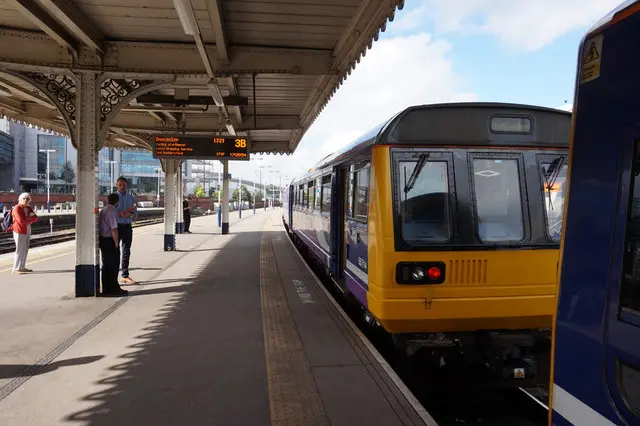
{"x":5,"y":225}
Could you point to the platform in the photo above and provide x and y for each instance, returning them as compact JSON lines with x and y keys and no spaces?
{"x":230,"y":330}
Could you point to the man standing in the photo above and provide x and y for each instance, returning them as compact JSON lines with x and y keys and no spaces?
{"x":109,"y":247}
{"x":186,"y":210}
{"x":127,"y":212}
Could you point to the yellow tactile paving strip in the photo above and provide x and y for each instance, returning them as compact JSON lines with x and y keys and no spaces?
{"x":293,"y":396}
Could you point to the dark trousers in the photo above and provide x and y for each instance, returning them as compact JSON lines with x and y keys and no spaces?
{"x":110,"y":259}
{"x":187,"y":221}
{"x":125,"y":237}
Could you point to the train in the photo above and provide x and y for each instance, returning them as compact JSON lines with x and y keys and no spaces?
{"x":443,"y":223}
{"x":596,"y":339}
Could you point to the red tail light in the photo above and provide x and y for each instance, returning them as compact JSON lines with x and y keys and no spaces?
{"x":434,"y":273}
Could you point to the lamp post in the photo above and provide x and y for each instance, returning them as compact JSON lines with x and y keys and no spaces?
{"x":48,"y":178}
{"x":111,"y":168}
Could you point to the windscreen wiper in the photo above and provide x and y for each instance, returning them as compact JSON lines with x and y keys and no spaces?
{"x":551,"y":175}
{"x":422,"y":160}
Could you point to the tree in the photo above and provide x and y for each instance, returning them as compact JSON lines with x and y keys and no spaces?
{"x":246,"y":195}
{"x":67,"y":174}
{"x":259,"y":196}
{"x":199,"y":192}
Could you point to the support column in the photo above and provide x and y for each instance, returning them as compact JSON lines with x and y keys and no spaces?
{"x":170,"y":177}
{"x":179,"y":200}
{"x":225,"y":197}
{"x":87,"y":251}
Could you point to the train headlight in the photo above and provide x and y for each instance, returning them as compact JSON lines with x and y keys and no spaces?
{"x":417,"y":274}
{"x":420,"y":273}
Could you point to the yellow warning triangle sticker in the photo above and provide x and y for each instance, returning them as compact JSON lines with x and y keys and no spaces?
{"x":592,"y":54}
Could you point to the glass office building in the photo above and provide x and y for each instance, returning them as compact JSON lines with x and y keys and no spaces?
{"x":139,"y":167}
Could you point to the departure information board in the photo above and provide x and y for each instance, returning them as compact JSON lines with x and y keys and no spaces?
{"x":202,"y":147}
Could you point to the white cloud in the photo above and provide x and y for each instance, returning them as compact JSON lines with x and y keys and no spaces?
{"x":396,"y":73}
{"x":526,"y":25}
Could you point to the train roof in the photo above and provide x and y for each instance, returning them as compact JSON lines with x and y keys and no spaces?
{"x":404,"y":127}
{"x":623,"y":10}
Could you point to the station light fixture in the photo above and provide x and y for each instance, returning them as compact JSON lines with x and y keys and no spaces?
{"x":5,"y":92}
{"x":187,"y":17}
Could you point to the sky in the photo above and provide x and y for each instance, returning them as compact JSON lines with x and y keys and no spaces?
{"x":521,"y":51}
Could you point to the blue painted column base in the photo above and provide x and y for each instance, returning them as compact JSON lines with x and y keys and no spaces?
{"x":239,"y":213}
{"x":87,"y":280}
{"x":225,"y":228}
{"x":169,"y":242}
{"x":219,"y":216}
{"x":179,"y":228}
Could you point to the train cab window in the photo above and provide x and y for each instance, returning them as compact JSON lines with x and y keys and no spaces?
{"x":361,"y":193}
{"x":554,"y":177}
{"x":630,"y":288}
{"x":326,"y":194}
{"x":498,"y":201}
{"x":423,"y":187}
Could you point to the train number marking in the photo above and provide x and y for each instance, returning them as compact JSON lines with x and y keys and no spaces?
{"x":303,"y":292}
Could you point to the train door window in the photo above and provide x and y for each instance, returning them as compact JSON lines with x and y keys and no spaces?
{"x":554,"y":177}
{"x":310,"y":195}
{"x":361,"y":192}
{"x":498,"y":202}
{"x":422,"y":184}
{"x":325,"y":202}
{"x":318,"y":193}
{"x":630,"y":288}
{"x":302,"y":196}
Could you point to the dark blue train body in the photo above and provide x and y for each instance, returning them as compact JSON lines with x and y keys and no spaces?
{"x":596,"y":350}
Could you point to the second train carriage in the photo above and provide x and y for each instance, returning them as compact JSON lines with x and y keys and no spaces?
{"x":444,"y":223}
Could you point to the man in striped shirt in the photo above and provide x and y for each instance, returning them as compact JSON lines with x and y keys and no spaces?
{"x":127,"y":212}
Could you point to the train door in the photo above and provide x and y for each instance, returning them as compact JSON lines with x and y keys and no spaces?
{"x":338,"y":218}
{"x":622,"y":331}
{"x":356,"y":231}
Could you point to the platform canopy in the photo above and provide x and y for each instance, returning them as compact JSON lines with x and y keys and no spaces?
{"x":260,"y":68}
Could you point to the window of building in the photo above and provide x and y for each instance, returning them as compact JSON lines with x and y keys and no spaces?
{"x":361,"y":192}
{"x":498,"y":201}
{"x":326,"y":194}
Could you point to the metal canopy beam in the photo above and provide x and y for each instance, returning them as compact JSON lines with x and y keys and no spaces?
{"x":44,"y":21}
{"x":202,"y":123}
{"x":150,"y":98}
{"x":149,"y":58}
{"x":215,"y":16}
{"x":75,"y":21}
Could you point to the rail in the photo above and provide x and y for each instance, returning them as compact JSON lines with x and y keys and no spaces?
{"x":7,"y":244}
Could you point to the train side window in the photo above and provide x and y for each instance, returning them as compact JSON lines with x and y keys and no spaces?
{"x":361,"y":193}
{"x":498,"y":201}
{"x":325,"y":198}
{"x":630,"y":286}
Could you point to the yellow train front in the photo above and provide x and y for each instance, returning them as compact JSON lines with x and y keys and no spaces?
{"x":444,"y":223}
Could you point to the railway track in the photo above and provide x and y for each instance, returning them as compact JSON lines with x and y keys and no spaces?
{"x":450,"y":398}
{"x":62,"y":234}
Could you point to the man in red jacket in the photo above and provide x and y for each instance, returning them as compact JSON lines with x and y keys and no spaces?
{"x":22,"y":216}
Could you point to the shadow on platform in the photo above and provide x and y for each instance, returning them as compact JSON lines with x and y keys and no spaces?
{"x":11,"y":371}
{"x":200,"y":360}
